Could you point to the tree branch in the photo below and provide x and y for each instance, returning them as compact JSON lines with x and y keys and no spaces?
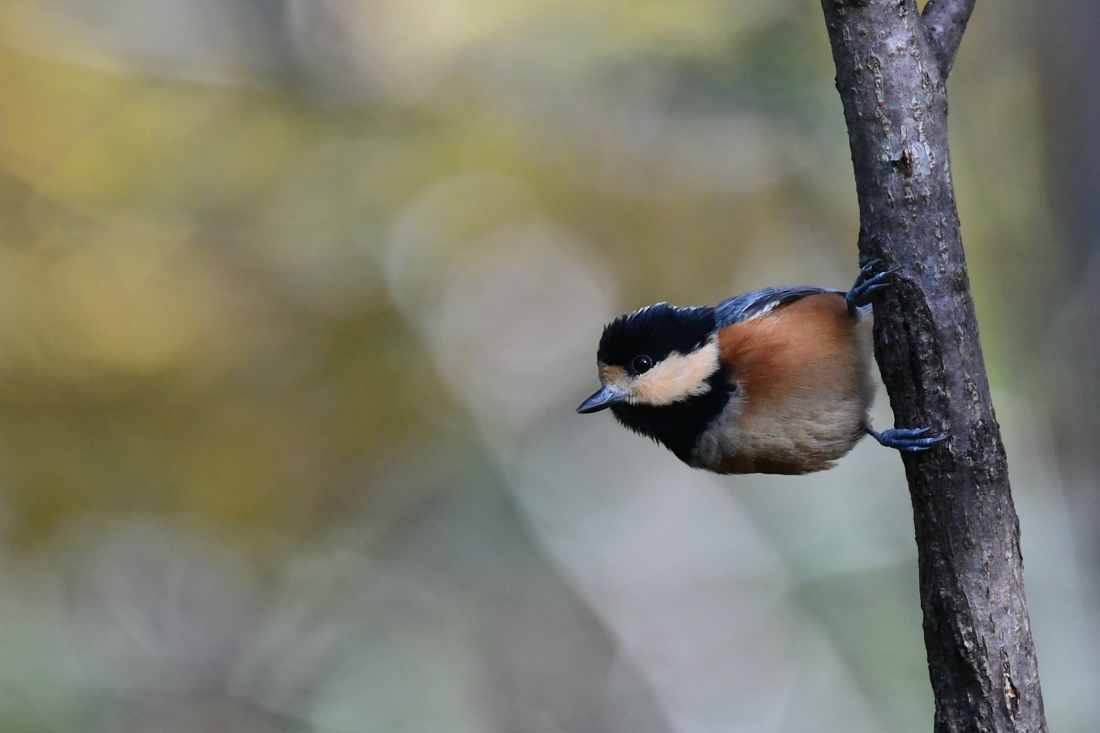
{"x":891,"y":71}
{"x":946,"y":22}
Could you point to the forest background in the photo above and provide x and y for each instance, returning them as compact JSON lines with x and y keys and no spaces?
{"x":296,"y":302}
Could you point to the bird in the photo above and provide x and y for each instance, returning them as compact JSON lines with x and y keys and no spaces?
{"x":774,"y":381}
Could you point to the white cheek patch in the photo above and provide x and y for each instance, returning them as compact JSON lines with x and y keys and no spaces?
{"x":615,"y":377}
{"x":675,"y":378}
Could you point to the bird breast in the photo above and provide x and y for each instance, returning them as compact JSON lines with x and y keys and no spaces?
{"x":802,"y":376}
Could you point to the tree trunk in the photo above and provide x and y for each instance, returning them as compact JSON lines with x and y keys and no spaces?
{"x":892,"y":64}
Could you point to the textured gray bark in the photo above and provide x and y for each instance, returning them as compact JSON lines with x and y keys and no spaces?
{"x":892,"y":65}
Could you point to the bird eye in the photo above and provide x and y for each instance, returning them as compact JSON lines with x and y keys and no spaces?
{"x":641,"y":364}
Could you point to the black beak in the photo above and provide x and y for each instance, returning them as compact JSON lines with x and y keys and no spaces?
{"x":603,"y":399}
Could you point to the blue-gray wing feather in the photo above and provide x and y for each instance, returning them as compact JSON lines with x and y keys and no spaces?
{"x":749,"y":305}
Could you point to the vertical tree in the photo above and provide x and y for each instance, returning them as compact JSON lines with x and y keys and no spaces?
{"x":892,"y":66}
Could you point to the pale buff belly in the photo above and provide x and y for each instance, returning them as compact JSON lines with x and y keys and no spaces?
{"x":799,"y":441}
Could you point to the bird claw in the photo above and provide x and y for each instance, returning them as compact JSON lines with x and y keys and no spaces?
{"x":868,"y":268}
{"x":866,"y":284}
{"x":907,"y":440}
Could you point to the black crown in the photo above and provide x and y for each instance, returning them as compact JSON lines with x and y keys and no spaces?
{"x":656,"y":331}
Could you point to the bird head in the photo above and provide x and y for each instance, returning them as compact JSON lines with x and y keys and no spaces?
{"x":654,"y":357}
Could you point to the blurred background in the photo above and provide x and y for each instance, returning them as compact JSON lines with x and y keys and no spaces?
{"x":297,"y":299}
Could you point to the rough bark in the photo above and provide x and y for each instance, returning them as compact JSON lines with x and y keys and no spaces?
{"x":892,"y":65}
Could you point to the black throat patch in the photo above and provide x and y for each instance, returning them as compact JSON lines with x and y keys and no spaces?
{"x":679,"y":425}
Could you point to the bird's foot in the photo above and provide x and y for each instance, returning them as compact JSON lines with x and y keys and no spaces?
{"x":866,"y":284}
{"x":909,"y":441}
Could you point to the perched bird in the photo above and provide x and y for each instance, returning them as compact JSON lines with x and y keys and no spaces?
{"x":773,"y":381}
